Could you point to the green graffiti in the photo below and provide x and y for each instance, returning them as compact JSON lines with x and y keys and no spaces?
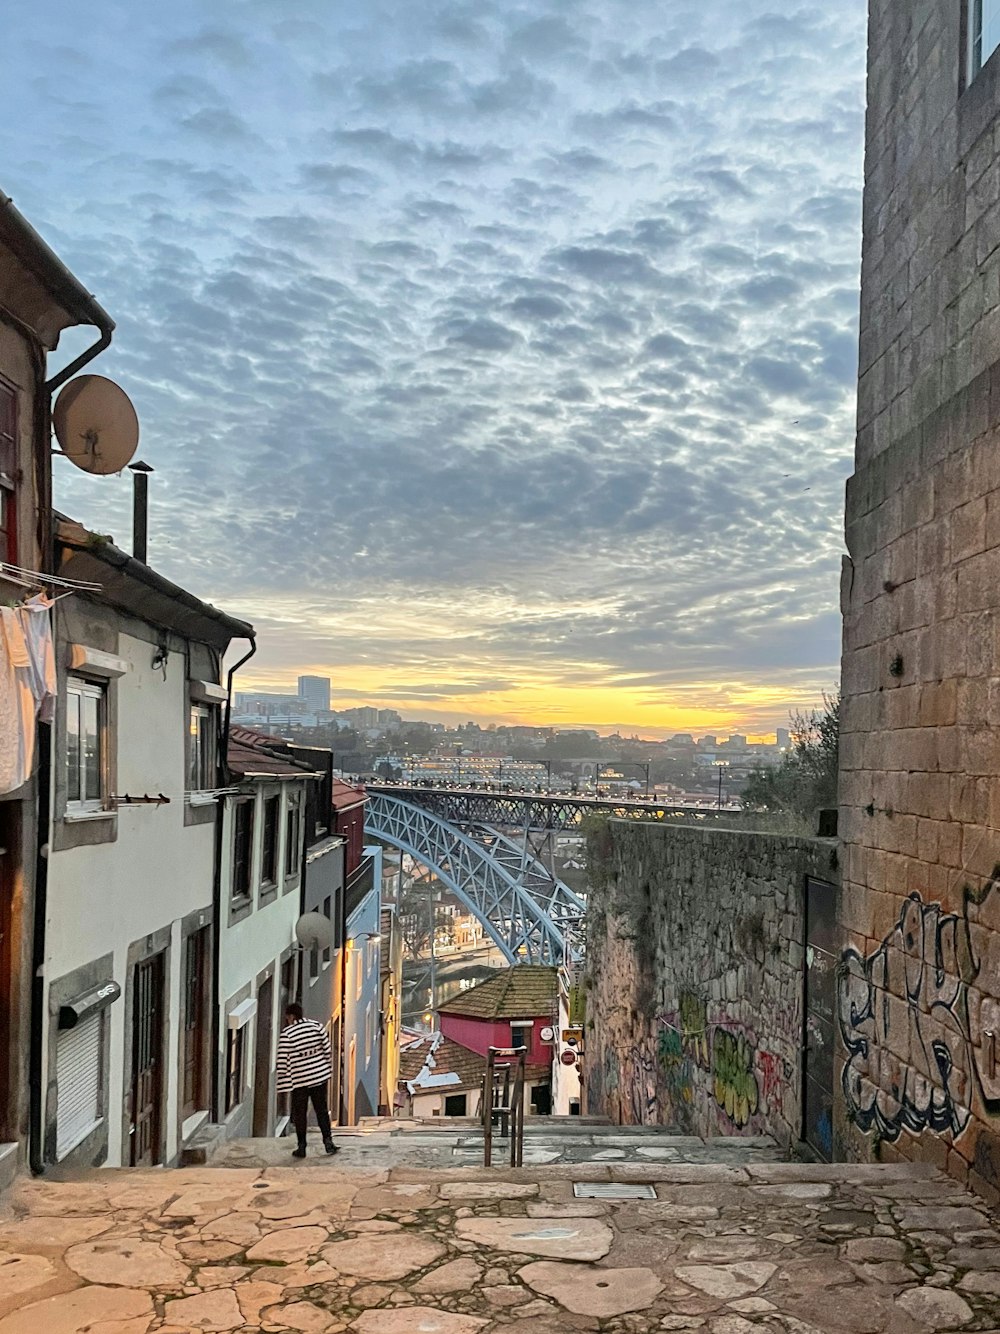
{"x":735,"y":1082}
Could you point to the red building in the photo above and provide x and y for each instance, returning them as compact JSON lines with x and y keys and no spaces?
{"x":510,"y":1009}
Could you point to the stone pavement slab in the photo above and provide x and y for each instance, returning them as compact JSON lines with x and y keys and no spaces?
{"x":387,"y":1245}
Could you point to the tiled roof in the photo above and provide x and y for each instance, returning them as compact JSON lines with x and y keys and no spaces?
{"x":253,"y":752}
{"x":436,"y":1063}
{"x":345,"y":796}
{"x":526,"y":991}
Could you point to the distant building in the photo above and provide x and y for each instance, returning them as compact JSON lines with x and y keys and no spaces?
{"x":510,"y":1009}
{"x":314,"y":691}
{"x":438,"y":1077}
{"x":782,"y":738}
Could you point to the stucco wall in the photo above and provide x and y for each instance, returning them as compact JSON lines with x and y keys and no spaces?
{"x":109,"y":898}
{"x":695,"y":977}
{"x":920,"y":782}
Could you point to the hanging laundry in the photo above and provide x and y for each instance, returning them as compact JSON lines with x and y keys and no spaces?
{"x":17,"y":703}
{"x":37,"y":626}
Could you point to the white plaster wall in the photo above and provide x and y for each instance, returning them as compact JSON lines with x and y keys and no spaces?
{"x":105,"y":897}
{"x":565,"y":1078}
{"x":249,"y":946}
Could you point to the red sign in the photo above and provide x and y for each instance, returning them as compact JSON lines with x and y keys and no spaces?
{"x":568,"y":1058}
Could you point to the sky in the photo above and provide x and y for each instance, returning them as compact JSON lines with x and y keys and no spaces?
{"x":496,"y":360}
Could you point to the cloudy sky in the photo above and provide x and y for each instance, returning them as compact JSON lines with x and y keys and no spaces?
{"x":495,"y":359}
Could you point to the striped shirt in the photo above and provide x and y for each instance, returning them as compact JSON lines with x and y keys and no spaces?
{"x":304,"y":1056}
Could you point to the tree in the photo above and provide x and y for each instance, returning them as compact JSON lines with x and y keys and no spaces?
{"x":806,"y":778}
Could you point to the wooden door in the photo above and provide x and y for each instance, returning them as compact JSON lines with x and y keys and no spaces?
{"x":196,"y":978}
{"x":262,"y":1059}
{"x":147,"y":1061}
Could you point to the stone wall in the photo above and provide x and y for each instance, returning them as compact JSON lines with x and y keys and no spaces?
{"x":695,"y":976}
{"x":919,"y":990}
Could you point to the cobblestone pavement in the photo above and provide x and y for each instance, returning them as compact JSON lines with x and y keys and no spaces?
{"x":325,"y":1246}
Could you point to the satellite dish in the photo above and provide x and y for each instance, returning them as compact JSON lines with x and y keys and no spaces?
{"x":314,"y":931}
{"x":96,"y":425}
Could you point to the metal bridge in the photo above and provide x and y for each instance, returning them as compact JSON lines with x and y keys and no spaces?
{"x":543,"y":812}
{"x":531,"y":915}
{"x":490,"y":848}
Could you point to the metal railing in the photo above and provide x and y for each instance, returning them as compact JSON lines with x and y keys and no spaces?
{"x":502,"y":1102}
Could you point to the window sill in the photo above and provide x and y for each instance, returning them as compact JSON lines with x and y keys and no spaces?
{"x":75,"y":817}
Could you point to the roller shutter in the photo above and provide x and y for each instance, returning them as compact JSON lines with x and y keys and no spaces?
{"x":78,"y":1082}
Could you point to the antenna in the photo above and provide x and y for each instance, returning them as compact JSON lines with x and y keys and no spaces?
{"x":314,"y":931}
{"x":96,"y":425}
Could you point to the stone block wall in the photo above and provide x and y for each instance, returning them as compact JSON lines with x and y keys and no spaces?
{"x":695,"y":947}
{"x":919,"y":984}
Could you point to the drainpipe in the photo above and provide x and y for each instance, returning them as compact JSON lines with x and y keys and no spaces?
{"x":217,"y":904}
{"x":43,"y":777}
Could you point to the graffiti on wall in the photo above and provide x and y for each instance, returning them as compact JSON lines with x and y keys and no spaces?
{"x":772,"y":1080}
{"x":735,"y":1083}
{"x":676,"y":1070}
{"x":914,"y":1056}
{"x":694,"y":1028}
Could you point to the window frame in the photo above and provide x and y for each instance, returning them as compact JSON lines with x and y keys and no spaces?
{"x":202,"y":751}
{"x":293,"y":836}
{"x":327,"y":956}
{"x":80,"y":688}
{"x":235,"y":1067}
{"x":270,"y":846}
{"x":9,"y":474}
{"x":242,"y":896}
{"x":526,"y":1031}
{"x":976,"y":62}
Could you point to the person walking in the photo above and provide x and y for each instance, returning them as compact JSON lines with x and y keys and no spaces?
{"x":304,"y":1067}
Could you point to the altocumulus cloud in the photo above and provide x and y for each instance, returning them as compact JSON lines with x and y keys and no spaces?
{"x":475,"y":336}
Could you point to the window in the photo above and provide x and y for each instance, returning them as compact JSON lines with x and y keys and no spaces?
{"x":984,"y":33}
{"x":201,"y":749}
{"x":313,"y":962}
{"x":79,"y":1070}
{"x":242,"y":849}
{"x":326,"y":950}
{"x":8,"y":474}
{"x":269,"y":860}
{"x":234,"y":1067}
{"x":520,"y":1035}
{"x":86,"y":732}
{"x":456,"y":1104}
{"x":293,"y":838}
{"x":369,"y":1032}
{"x":358,"y":974}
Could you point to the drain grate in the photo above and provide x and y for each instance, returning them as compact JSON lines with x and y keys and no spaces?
{"x":611,"y":1190}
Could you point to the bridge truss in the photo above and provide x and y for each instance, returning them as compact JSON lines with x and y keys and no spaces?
{"x":532,"y":916}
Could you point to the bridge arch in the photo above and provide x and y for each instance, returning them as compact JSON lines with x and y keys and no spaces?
{"x":531,"y":916}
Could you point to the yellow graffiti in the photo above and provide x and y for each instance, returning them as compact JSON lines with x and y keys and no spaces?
{"x":735,"y":1082}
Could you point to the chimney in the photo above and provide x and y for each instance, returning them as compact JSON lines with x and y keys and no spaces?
{"x":140,"y":508}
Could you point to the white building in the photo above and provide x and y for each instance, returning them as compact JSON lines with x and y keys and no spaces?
{"x":129,"y":917}
{"x":263,"y":832}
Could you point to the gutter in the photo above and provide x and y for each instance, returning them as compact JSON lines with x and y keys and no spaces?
{"x":39,"y":258}
{"x":217,"y":869}
{"x":43,"y":776}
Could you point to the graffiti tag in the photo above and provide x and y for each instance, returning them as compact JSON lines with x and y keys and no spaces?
{"x":736,"y":1090}
{"x":903,"y":1016}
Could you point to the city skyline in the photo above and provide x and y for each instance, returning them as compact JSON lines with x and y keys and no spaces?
{"x":488,"y":361}
{"x":758,"y":725}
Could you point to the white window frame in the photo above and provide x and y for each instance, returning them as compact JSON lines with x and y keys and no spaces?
{"x":369,"y":1031}
{"x":978,"y":21}
{"x":79,"y":688}
{"x":202,"y":747}
{"x":359,"y":974}
{"x":293,"y":836}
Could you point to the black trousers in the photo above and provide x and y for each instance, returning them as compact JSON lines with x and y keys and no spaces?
{"x":300,"y":1111}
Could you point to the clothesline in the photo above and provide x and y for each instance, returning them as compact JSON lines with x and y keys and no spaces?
{"x":40,"y":580}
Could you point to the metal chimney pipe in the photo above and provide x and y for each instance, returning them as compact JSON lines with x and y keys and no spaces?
{"x":140,"y":508}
